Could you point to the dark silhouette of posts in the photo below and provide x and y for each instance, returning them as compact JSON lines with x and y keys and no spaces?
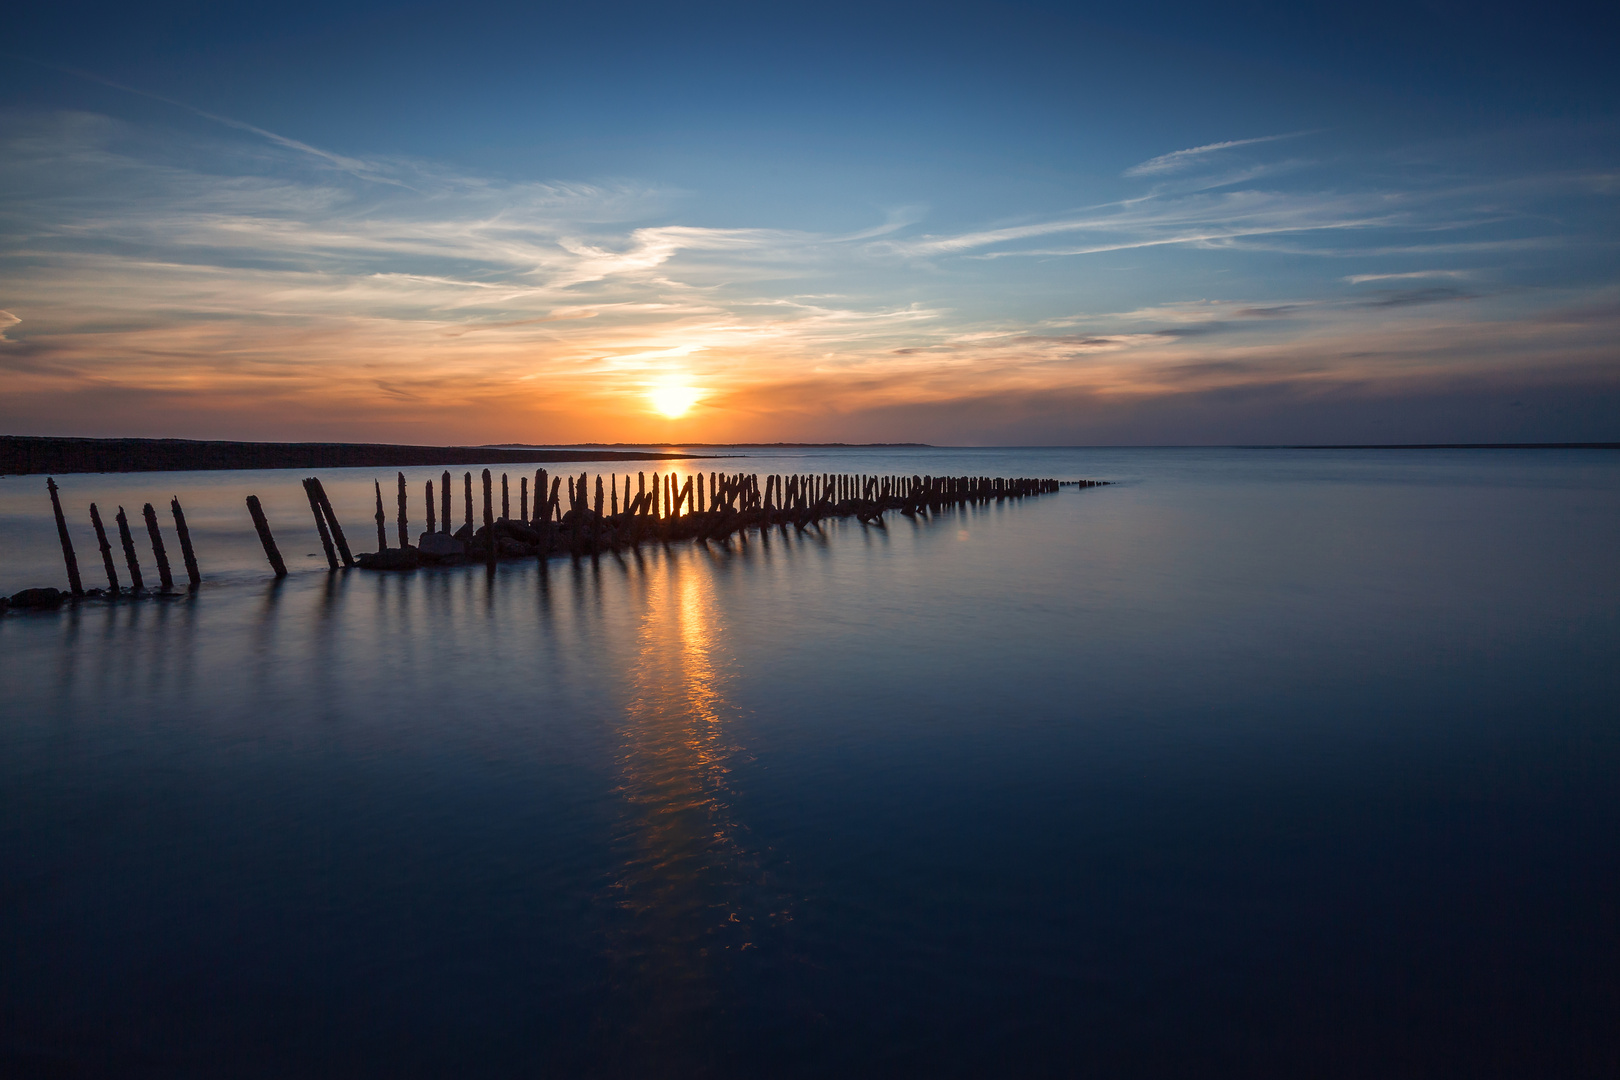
{"x":192,"y":573}
{"x":106,"y":550}
{"x":262,"y":527}
{"x":320,"y":524}
{"x":124,"y":538}
{"x":332,"y":521}
{"x":74,"y":584}
{"x":444,"y":499}
{"x":404,"y":527}
{"x":490,"y":543}
{"x":382,"y":519}
{"x":165,"y":579}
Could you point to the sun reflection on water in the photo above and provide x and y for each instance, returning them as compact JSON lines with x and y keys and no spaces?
{"x":692,"y":895}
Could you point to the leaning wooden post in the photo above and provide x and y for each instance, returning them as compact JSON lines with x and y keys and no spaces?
{"x":106,"y":550}
{"x":124,"y":537}
{"x":165,"y":579}
{"x":380,"y":518}
{"x":432,"y":524}
{"x":331,"y":521}
{"x":444,"y":499}
{"x":74,"y":584}
{"x":490,"y":542}
{"x":404,"y":526}
{"x":320,"y":523}
{"x":192,"y":573}
{"x":262,"y":527}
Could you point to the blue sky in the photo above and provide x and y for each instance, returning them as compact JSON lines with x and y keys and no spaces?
{"x":953,"y":223}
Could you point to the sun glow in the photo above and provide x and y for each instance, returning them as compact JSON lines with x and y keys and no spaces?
{"x":674,"y":401}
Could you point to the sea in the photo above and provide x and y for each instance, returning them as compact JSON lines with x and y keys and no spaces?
{"x":1254,"y":762}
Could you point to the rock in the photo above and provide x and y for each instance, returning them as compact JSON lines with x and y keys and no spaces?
{"x":439,"y":545}
{"x":400,"y":558}
{"x":38,"y":598}
{"x":464,"y":534}
{"x":517,"y":530}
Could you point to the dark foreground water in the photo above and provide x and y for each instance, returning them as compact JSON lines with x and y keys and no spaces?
{"x":1258,"y":763}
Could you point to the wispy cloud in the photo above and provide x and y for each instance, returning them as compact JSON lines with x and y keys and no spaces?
{"x":1177,"y":160}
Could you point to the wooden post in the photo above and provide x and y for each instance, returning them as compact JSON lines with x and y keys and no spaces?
{"x":74,"y":584}
{"x":523,"y":499}
{"x":444,"y":500}
{"x":332,"y":521}
{"x":466,"y":486}
{"x":489,"y":521}
{"x":539,"y":495}
{"x":320,"y":523}
{"x":404,"y":526}
{"x":263,"y":528}
{"x":106,"y":550}
{"x":596,"y":518}
{"x":165,"y":579}
{"x":135,"y":582}
{"x":551,"y":503}
{"x":506,"y":500}
{"x":380,"y":518}
{"x":192,"y":573}
{"x":432,"y":523}
{"x":613,"y":492}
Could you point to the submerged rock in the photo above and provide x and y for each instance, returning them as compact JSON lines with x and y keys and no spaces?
{"x":37,"y":598}
{"x":439,"y":545}
{"x":400,"y":558}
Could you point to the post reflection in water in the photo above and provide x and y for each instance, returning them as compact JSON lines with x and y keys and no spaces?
{"x":692,"y":899}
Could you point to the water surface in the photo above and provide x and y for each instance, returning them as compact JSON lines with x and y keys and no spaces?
{"x":1257,"y":762}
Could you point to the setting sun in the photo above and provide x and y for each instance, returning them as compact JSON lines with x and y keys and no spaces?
{"x":674,"y":401}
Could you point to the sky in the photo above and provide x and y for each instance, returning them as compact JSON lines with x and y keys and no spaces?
{"x":963,"y":224}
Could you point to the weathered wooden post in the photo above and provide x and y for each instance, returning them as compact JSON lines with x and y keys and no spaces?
{"x":551,"y":503}
{"x":380,"y":518}
{"x":539,"y":496}
{"x":404,"y":526}
{"x":466,"y":490}
{"x":192,"y":573}
{"x":332,"y":521}
{"x":506,"y":500}
{"x":432,"y":523}
{"x":74,"y":584}
{"x":444,"y":500}
{"x":165,"y":579}
{"x":320,"y":523}
{"x":262,"y":527}
{"x":523,"y":499}
{"x":106,"y":550}
{"x":490,"y":541}
{"x":596,"y":518}
{"x":124,"y":537}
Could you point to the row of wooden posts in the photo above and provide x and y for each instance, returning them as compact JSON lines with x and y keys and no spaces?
{"x":703,"y":507}
{"x":159,"y":552}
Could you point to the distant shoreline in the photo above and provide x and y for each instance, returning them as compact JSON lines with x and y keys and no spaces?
{"x":736,"y":445}
{"x":25,"y":455}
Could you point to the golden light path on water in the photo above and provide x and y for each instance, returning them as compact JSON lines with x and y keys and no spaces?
{"x":692,"y":892}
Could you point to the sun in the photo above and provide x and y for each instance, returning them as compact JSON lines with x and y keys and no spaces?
{"x":674,"y":401}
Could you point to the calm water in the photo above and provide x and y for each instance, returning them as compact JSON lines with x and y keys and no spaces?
{"x":1257,"y":763}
